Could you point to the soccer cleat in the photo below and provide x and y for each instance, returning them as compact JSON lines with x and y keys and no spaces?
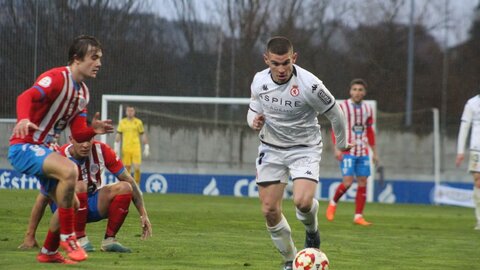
{"x":361,"y":221}
{"x":112,"y":245}
{"x":288,"y":265}
{"x":53,"y":258}
{"x":86,"y":245}
{"x":331,"y":212}
{"x":312,"y":240}
{"x":73,"y":249}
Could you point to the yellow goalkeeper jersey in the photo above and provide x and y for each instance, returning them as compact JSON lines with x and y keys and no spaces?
{"x":131,"y":131}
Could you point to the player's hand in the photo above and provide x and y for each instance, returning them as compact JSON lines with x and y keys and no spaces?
{"x":459,"y":160}
{"x":146,"y":227}
{"x":22,"y":127}
{"x":29,"y":243}
{"x":102,"y":127}
{"x":347,"y":147}
{"x":258,"y":122}
{"x":338,"y":154}
{"x":146,"y":150}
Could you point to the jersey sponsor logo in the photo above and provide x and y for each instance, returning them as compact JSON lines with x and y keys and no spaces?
{"x":281,"y":101}
{"x":358,"y":128}
{"x":324,"y":97}
{"x":294,"y":91}
{"x":45,"y":82}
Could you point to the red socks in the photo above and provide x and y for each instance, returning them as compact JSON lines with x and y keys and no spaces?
{"x":360,"y":199}
{"x":82,"y":214}
{"x":52,"y":241}
{"x":66,"y":218}
{"x":341,"y":189}
{"x":117,"y":212}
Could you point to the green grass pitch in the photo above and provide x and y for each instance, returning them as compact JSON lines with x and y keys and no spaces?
{"x":200,"y":232}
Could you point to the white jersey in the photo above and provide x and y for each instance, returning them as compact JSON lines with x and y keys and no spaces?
{"x":470,"y":118}
{"x":291,"y":108}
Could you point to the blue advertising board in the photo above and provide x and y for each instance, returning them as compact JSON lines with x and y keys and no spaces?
{"x":391,"y":191}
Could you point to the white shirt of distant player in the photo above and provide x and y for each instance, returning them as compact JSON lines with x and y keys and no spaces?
{"x":471,"y":116}
{"x":291,"y":108}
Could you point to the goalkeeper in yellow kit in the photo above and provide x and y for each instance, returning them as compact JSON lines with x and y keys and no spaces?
{"x":129,"y":131}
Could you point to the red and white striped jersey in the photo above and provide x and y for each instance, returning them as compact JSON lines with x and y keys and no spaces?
{"x":359,"y":126}
{"x":58,"y":99}
{"x":91,"y":168}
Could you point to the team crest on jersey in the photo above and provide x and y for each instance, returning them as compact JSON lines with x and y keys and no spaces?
{"x":82,"y":103}
{"x":324,"y":97}
{"x":294,"y":91}
{"x":45,"y":81}
{"x":94,"y":168}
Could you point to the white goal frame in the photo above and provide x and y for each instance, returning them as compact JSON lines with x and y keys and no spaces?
{"x":220,"y":101}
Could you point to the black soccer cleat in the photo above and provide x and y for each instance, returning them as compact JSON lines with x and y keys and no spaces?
{"x":288,"y":265}
{"x":312,"y":240}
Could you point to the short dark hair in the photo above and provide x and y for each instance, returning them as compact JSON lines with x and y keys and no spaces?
{"x":359,"y":81}
{"x":279,"y":45}
{"x":79,"y":47}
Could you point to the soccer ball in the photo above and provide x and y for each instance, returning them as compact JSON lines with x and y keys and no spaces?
{"x":310,"y":259}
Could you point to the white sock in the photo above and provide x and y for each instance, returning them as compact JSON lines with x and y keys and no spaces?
{"x":281,"y":235}
{"x":476,"y":202}
{"x":64,"y":237}
{"x":48,"y":252}
{"x":309,"y":219}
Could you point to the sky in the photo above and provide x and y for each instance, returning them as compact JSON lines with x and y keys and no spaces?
{"x":460,"y":16}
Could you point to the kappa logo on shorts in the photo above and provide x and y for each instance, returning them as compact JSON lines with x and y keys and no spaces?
{"x":324,"y":97}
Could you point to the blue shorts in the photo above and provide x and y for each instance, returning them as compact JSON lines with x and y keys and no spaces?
{"x":28,"y":159}
{"x":355,"y":166}
{"x":93,"y":214}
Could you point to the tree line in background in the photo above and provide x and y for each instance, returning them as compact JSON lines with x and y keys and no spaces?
{"x":145,"y":54}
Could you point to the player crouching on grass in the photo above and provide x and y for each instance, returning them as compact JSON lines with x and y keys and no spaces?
{"x":96,"y":201}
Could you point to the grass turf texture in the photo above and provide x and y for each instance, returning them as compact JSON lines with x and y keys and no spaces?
{"x":200,"y":232}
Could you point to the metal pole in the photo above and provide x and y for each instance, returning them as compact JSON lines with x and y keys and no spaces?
{"x":408,"y":113}
{"x":436,"y":146}
{"x":444,"y":86}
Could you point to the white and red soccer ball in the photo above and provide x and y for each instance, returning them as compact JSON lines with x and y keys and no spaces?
{"x":310,"y":259}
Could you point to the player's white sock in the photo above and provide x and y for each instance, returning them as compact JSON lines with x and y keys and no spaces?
{"x":309,"y":219}
{"x":281,"y":235}
{"x":476,"y":202}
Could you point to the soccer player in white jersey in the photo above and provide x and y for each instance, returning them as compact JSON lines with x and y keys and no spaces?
{"x":471,"y":118}
{"x":355,"y":163}
{"x":57,"y":100}
{"x":97,"y":201}
{"x":285,"y":102}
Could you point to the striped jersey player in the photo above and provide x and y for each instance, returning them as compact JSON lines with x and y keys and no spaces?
{"x":355,"y":163}
{"x":57,"y":100}
{"x":285,"y":102}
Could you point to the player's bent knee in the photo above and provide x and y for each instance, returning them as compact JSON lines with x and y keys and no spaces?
{"x":303,"y":204}
{"x":123,"y":188}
